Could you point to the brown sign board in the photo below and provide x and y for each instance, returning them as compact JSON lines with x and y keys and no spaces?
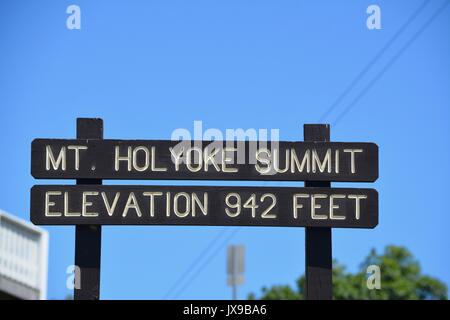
{"x":204,"y":160}
{"x":204,"y":206}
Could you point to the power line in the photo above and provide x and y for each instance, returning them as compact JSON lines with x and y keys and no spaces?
{"x":210,"y":258}
{"x":392,"y":61}
{"x":195,"y":262}
{"x":373,"y":61}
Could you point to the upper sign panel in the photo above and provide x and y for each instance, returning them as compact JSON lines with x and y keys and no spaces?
{"x":204,"y":160}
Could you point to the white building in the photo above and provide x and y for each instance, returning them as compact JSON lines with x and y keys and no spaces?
{"x":23,"y":259}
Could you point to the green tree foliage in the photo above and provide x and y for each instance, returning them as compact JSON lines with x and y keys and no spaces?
{"x":401,"y":278}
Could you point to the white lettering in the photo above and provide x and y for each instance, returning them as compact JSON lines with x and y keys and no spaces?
{"x":50,"y":159}
{"x":352,"y":158}
{"x":86,"y":204}
{"x":132,"y":204}
{"x":49,"y":204}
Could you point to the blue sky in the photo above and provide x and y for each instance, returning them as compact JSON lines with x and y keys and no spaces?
{"x":150,"y":67}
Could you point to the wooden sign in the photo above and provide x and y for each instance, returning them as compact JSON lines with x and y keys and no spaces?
{"x":203,"y":160}
{"x":206,"y":206}
{"x":88,"y":205}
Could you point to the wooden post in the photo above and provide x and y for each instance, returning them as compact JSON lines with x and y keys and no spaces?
{"x":88,"y":238}
{"x":318,"y":254}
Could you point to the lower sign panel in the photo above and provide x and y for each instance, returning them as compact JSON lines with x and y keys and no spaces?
{"x":204,"y":206}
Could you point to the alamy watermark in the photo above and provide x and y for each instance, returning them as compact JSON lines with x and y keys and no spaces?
{"x":73,"y":21}
{"x":73,"y":280}
{"x":373,"y":21}
{"x":234,"y":146}
{"x":374,"y":277}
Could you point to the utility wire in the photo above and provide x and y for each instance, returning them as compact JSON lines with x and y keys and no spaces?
{"x":373,"y":61}
{"x":210,"y":258}
{"x":195,"y":263}
{"x":391,"y":62}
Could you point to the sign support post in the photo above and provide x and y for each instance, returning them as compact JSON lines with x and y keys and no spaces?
{"x":88,"y":238}
{"x":318,"y":252}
